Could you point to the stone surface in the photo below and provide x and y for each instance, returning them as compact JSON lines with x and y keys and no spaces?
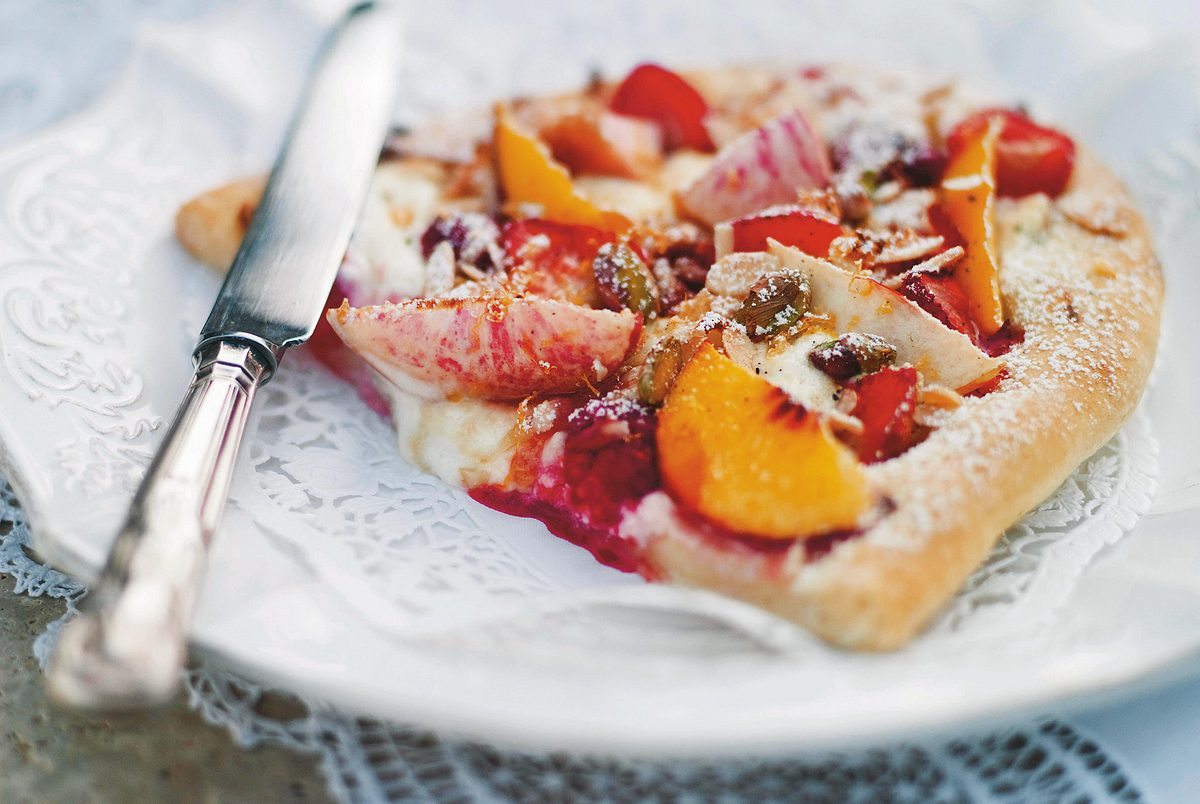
{"x":48,"y":754}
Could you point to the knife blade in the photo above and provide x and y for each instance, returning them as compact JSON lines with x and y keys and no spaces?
{"x":128,"y":645}
{"x":276,"y":289}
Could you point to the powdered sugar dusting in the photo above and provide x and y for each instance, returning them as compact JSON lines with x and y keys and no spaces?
{"x":1078,"y":372}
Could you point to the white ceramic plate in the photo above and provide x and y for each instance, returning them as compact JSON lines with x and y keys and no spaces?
{"x":344,"y":573}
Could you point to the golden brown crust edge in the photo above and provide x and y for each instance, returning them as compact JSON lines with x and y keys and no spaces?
{"x":1090,"y":304}
{"x":211,"y":226}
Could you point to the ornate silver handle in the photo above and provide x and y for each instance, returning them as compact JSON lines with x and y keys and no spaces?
{"x":129,"y":642}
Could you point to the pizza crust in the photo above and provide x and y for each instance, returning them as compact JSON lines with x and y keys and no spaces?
{"x":211,"y":226}
{"x":1087,"y":293}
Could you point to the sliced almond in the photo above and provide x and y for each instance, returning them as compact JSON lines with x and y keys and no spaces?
{"x":939,"y":396}
{"x":859,"y":303}
{"x":1098,"y":214}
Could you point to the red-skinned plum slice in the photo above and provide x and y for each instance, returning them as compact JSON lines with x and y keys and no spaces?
{"x":809,"y":230}
{"x":759,"y":169}
{"x":489,"y":348}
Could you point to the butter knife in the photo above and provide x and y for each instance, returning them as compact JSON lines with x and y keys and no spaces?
{"x":129,"y":642}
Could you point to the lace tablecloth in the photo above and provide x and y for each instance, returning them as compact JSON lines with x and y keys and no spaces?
{"x":54,"y":58}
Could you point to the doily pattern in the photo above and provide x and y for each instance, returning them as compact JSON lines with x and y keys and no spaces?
{"x":1030,"y":571}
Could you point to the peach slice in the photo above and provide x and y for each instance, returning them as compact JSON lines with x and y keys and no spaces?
{"x":857,"y":303}
{"x":495,"y":348}
{"x":530,"y":175}
{"x":736,"y":449}
{"x":969,"y":200}
{"x":759,"y":169}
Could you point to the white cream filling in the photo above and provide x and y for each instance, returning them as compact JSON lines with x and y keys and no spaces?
{"x":634,"y":199}
{"x":788,"y":368}
{"x":467,"y":442}
{"x":384,"y":259}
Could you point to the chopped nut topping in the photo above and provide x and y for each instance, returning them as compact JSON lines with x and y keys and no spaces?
{"x":775,"y":303}
{"x":935,"y":264}
{"x":1097,"y":215}
{"x":624,"y":280}
{"x":659,"y":371}
{"x":939,"y":396}
{"x":736,"y":273}
{"x":873,"y":248}
{"x":844,"y":423}
{"x":821,"y":200}
{"x":852,"y":354}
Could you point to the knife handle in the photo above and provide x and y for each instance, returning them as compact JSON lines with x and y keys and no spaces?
{"x":129,"y":642}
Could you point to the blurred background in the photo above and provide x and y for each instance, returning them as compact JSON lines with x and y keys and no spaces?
{"x":1072,"y":56}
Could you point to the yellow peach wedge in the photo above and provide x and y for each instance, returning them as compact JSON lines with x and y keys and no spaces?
{"x":969,"y":199}
{"x":737,"y":450}
{"x":530,"y":175}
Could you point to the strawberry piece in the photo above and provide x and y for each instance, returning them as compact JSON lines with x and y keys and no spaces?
{"x":885,"y":404}
{"x":604,"y":541}
{"x":606,"y":464}
{"x":1029,"y":158}
{"x":609,"y":459}
{"x":1003,"y":340}
{"x":792,"y":225}
{"x":553,"y":260}
{"x":491,"y":348}
{"x":943,"y":298}
{"x":656,"y":93}
{"x":942,"y":226}
{"x":761,"y":168}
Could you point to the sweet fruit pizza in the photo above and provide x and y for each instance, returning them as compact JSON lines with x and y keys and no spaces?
{"x":808,"y":337}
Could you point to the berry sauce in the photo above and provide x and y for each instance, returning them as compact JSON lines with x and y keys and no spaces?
{"x":608,"y":463}
{"x":328,"y":349}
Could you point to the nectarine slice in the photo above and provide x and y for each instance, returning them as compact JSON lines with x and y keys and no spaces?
{"x":531,"y":176}
{"x":736,"y":449}
{"x":969,"y":200}
{"x":596,"y":141}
